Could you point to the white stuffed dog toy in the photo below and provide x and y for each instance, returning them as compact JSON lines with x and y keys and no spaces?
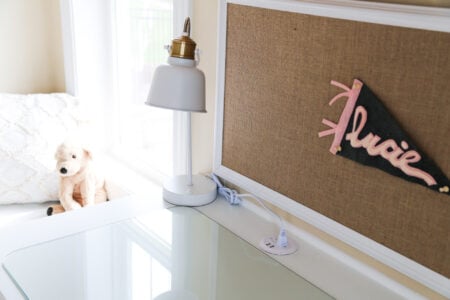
{"x":81,"y":183}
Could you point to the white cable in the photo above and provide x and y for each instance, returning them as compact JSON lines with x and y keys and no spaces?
{"x":234,"y":198}
{"x":230,"y":195}
{"x":265,"y":207}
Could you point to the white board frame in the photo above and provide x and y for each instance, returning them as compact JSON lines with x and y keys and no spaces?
{"x":436,"y":19}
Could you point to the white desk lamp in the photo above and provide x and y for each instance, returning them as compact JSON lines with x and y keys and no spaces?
{"x":179,"y":85}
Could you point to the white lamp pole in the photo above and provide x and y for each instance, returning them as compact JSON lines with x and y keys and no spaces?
{"x":189,"y":149}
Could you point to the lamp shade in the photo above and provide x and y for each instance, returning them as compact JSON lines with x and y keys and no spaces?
{"x":178,"y":85}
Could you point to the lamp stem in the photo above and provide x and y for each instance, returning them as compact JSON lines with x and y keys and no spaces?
{"x":189,"y":150}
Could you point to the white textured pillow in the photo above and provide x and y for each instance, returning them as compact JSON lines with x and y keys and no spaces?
{"x":31,"y":127}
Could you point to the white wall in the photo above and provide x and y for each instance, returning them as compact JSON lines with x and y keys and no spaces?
{"x":31,"y":58}
{"x":204,"y":32}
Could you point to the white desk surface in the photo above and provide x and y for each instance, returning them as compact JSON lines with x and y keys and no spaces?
{"x":326,"y":270}
{"x":175,"y":253}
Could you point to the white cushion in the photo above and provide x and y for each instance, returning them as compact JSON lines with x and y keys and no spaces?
{"x":31,"y":127}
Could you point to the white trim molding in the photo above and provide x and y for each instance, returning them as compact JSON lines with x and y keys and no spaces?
{"x":436,"y":19}
{"x":66,"y":11}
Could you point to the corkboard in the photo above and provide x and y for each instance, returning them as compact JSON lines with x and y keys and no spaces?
{"x":277,"y":86}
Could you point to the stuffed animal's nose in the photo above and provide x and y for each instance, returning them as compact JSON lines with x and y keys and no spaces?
{"x":63,"y":170}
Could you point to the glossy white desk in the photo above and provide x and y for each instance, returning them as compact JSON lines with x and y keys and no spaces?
{"x":175,"y":253}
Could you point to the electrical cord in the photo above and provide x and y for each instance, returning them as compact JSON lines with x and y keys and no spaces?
{"x":230,"y":195}
{"x":234,"y":198}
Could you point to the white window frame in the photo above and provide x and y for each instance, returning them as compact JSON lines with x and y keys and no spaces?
{"x":101,"y":66}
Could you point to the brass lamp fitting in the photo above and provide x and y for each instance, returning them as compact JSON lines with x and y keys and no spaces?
{"x":184,"y":46}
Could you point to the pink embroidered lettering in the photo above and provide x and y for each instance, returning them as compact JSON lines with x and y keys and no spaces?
{"x":339,"y":129}
{"x":388,"y":149}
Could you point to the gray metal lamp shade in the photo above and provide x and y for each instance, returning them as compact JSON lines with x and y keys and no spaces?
{"x":178,"y":86}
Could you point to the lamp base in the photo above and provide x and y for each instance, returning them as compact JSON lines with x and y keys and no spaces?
{"x":202,"y":191}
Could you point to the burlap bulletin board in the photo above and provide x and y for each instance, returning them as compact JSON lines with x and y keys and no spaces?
{"x":277,"y":86}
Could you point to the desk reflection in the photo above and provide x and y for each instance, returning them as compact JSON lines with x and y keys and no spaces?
{"x":173,"y":253}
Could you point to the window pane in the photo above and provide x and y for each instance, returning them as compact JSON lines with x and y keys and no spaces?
{"x":145,"y":133}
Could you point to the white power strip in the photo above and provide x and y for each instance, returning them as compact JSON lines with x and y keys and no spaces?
{"x":269,"y":245}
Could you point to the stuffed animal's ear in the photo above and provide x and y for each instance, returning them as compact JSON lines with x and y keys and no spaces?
{"x":90,"y":148}
{"x":88,"y":153}
{"x":58,"y":151}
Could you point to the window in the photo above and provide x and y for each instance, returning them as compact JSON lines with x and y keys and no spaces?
{"x":111,"y":50}
{"x":142,"y":29}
